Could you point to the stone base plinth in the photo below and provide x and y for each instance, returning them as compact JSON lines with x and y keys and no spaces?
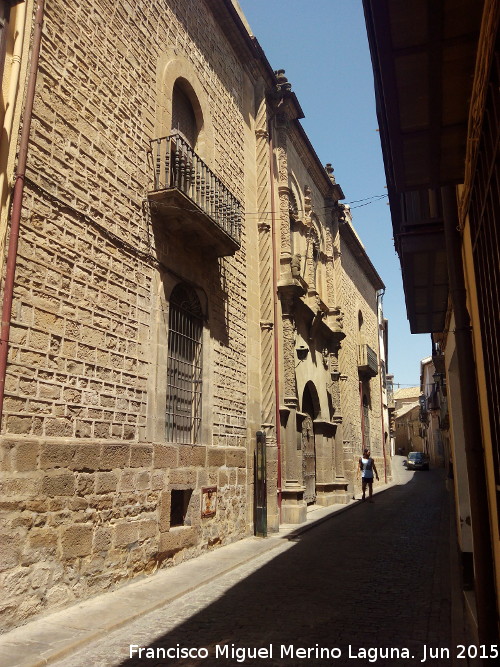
{"x":335,"y":493}
{"x":293,"y":506}
{"x":273,"y":522}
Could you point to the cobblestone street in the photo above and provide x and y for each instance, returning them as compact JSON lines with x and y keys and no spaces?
{"x":379,"y":576}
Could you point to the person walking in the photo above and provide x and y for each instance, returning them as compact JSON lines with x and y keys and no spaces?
{"x":367,"y":468}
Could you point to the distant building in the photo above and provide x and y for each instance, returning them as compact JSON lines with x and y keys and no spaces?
{"x":409,"y":431}
{"x":433,"y":391}
{"x":405,"y":396}
{"x":391,"y":408}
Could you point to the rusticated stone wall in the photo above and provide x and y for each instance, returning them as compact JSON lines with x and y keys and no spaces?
{"x":85,"y":498}
{"x":357,"y":293}
{"x":85,"y":515}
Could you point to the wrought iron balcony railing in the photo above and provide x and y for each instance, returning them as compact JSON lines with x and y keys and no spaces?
{"x":367,"y":360}
{"x":216,"y":212}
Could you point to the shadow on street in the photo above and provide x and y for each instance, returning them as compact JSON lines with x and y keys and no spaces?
{"x":376,"y":576}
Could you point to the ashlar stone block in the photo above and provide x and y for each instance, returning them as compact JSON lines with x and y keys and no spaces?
{"x":26,"y":456}
{"x":58,"y":484}
{"x":77,"y":541}
{"x":192,"y":455}
{"x":114,"y":456}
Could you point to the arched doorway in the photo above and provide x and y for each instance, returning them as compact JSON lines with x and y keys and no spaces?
{"x":310,"y":407}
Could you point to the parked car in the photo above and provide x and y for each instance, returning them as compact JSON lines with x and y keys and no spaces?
{"x":417,"y":461}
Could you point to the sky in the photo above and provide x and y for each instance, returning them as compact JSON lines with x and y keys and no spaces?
{"x":323,"y":47}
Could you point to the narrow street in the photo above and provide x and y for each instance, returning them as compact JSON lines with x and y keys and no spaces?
{"x":371,"y":579}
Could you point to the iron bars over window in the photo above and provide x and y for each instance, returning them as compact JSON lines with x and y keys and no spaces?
{"x":176,"y":165}
{"x":184,"y":371}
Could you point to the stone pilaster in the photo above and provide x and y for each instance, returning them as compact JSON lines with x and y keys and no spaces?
{"x":293,"y":508}
{"x":266,"y":313}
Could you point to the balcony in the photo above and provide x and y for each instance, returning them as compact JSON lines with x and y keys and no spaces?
{"x":367,"y":361}
{"x":390,"y":393}
{"x":189,"y":199}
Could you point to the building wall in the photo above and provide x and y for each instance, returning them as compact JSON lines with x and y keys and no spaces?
{"x":86,"y":471}
{"x":409,"y":431}
{"x":15,"y":34}
{"x":483,"y":385}
{"x":357,"y":294}
{"x":308,"y":332}
{"x":86,"y":479}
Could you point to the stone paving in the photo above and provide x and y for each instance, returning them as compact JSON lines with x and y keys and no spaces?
{"x":330,"y":588}
{"x":378,"y":577}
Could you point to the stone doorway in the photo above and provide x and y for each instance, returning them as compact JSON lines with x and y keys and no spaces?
{"x":308,"y":460}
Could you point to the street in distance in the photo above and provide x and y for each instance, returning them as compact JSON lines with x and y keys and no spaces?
{"x":284,"y":651}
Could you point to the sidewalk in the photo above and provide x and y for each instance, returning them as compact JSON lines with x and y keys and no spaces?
{"x":59,"y":634}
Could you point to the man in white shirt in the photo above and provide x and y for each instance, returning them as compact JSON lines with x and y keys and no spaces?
{"x":367,"y":468}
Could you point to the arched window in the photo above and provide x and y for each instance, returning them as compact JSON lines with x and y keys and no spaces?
{"x":183,"y":116}
{"x":184,"y":370}
{"x":310,"y":401}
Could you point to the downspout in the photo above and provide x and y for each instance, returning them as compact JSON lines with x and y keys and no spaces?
{"x":484,"y":574}
{"x":380,"y":296}
{"x":275,"y":314}
{"x":17,"y":201}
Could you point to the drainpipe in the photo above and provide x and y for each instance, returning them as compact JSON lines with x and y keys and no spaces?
{"x":380,"y":295}
{"x":275,"y":314}
{"x":17,"y":201}
{"x":484,"y":574}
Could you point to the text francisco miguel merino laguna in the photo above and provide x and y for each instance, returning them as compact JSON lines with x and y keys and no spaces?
{"x":283,"y":651}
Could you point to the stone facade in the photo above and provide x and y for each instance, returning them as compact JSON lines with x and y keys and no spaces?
{"x":87,"y":476}
{"x":324,"y":280}
{"x":361,"y":390}
{"x":146,"y":352}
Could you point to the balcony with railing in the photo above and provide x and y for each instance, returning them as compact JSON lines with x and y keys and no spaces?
{"x":390,"y":392}
{"x":367,"y":361}
{"x":191,"y":200}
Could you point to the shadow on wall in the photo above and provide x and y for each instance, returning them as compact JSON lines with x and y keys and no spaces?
{"x":199,"y":266}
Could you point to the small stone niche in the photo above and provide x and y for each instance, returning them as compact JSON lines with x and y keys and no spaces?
{"x":179,"y":503}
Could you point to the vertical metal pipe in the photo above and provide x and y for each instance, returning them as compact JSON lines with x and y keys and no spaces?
{"x":484,"y":572}
{"x":17,"y":202}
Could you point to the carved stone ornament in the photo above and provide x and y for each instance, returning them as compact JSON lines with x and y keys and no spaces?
{"x":330,"y":282}
{"x":282,"y":83}
{"x":282,"y":158}
{"x":329,"y":171}
{"x":307,"y":201}
{"x":333,"y":390}
{"x":296,"y":266}
{"x":264,"y":227}
{"x":290,"y":385}
{"x":338,"y":318}
{"x":284,"y":222}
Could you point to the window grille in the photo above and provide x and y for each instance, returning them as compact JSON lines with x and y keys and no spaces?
{"x":183,"y":117}
{"x":184,"y":370}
